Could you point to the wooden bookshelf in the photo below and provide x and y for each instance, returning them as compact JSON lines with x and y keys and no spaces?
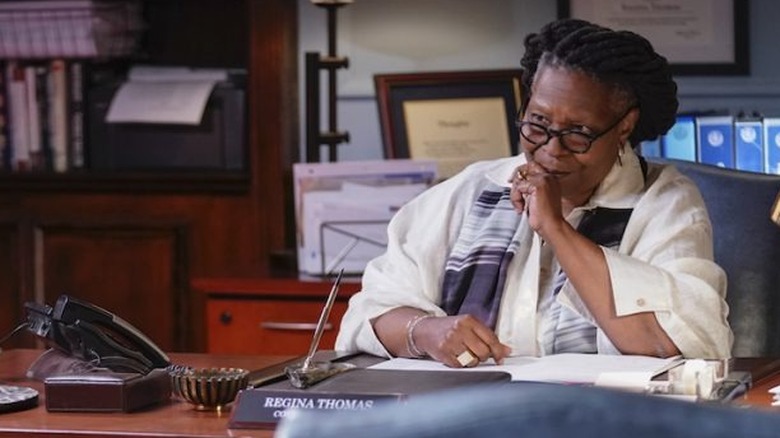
{"x":131,"y":241}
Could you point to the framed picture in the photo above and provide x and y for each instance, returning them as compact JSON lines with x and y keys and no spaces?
{"x":696,"y":37}
{"x":453,"y":118}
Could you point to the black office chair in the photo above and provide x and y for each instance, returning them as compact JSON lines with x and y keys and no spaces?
{"x":747,"y":247}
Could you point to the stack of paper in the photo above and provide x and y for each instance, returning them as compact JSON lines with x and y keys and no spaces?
{"x":561,"y":368}
{"x":69,"y":28}
{"x":775,"y":391}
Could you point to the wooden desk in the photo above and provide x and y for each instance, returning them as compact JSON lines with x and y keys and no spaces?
{"x":179,"y":419}
{"x":766,"y":374}
{"x":170,"y":419}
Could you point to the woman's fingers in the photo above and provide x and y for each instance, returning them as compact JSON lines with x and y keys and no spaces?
{"x":463,"y":341}
{"x":520,"y":187}
{"x":484,"y":343}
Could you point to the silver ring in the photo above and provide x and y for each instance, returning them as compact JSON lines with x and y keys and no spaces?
{"x":465,"y":358}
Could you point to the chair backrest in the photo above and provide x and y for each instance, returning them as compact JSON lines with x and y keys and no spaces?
{"x":747,"y":247}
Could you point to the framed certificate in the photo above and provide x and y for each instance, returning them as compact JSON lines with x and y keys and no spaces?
{"x":697,"y":37}
{"x":453,"y":118}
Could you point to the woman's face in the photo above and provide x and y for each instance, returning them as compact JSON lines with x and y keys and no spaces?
{"x":567,"y":100}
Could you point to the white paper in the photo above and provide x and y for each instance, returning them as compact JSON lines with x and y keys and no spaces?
{"x":76,"y":28}
{"x":160,"y":102}
{"x":560,"y":368}
{"x":341,"y":233}
{"x":175,"y":95}
{"x":631,"y":380}
{"x":45,"y":5}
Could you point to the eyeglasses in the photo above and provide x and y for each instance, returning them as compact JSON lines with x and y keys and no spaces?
{"x":573,"y":140}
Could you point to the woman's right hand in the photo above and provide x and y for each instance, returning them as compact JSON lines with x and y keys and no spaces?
{"x":537,"y":193}
{"x":518,"y":192}
{"x":447,"y":338}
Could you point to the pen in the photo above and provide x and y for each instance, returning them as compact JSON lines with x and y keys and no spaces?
{"x":315,"y":342}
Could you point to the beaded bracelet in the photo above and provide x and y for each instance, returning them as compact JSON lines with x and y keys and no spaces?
{"x":414,"y":351}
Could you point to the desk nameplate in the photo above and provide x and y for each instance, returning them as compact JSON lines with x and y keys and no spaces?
{"x":356,"y":390}
{"x":263,"y":408}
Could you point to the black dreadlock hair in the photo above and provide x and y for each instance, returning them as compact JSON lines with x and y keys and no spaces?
{"x":622,"y":60}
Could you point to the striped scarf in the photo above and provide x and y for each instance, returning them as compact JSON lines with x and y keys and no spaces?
{"x":475,"y":272}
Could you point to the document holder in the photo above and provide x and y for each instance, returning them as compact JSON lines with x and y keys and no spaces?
{"x":342,"y":209}
{"x":358,"y":234}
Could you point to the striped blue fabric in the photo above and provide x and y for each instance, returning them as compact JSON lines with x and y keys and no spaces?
{"x":475,"y":272}
{"x":572,"y":332}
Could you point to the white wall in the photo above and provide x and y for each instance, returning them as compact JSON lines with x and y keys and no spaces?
{"x":386,"y":36}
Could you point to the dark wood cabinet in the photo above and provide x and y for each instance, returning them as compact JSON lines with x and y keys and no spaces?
{"x":131,"y":242}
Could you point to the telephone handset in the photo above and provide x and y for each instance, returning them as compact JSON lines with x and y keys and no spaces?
{"x":93,"y":334}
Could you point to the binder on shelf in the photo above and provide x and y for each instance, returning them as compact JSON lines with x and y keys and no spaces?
{"x":772,"y":145}
{"x":4,"y":139}
{"x":34,"y":147}
{"x":749,"y":144}
{"x":650,"y":148}
{"x":76,"y":110}
{"x":715,"y":136}
{"x":42,"y":160}
{"x":18,"y":116}
{"x":58,"y":115}
{"x":680,"y":142}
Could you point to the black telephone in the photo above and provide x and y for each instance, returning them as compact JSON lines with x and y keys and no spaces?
{"x":95,"y":335}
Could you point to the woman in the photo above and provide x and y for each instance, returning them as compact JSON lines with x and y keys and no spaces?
{"x":587,"y":249}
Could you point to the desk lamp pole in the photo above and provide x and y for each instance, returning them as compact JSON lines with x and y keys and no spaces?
{"x":314,"y":63}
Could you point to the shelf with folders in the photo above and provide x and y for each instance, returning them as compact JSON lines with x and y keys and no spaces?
{"x":69,"y":29}
{"x":746,"y":143}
